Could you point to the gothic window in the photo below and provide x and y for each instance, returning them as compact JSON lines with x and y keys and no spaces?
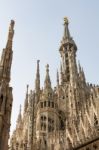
{"x":52,"y":104}
{"x":45,"y":142}
{"x":66,"y":55}
{"x":44,"y":127}
{"x":48,"y":103}
{"x":52,"y":121}
{"x":41,"y":104}
{"x":49,"y":120}
{"x":62,"y":125}
{"x":68,"y":78}
{"x":49,"y":128}
{"x":44,"y":118}
{"x":67,"y":61}
{"x":41,"y":126}
{"x":40,"y":141}
{"x":43,"y":122}
{"x":67,"y":69}
{"x":62,"y":120}
{"x":45,"y":104}
{"x":63,"y":97}
{"x":50,"y":124}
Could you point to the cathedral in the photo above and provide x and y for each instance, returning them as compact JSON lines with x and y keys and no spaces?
{"x":65,"y":117}
{"x":6,"y":97}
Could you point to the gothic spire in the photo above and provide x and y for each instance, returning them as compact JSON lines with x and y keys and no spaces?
{"x":6,"y":58}
{"x":61,"y":73}
{"x":26,"y":100}
{"x":68,"y":54}
{"x":10,"y":35}
{"x":47,"y":83}
{"x":67,"y":39}
{"x":37,"y":81}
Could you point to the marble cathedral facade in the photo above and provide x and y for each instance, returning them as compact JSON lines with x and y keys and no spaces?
{"x":63,"y":118}
{"x":6,"y":97}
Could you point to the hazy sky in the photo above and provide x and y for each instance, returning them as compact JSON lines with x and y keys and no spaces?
{"x":38,"y":32}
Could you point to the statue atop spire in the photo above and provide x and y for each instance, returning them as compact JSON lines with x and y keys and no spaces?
{"x":66,"y":20}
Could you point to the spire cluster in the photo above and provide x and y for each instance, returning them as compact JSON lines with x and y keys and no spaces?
{"x":63,"y":117}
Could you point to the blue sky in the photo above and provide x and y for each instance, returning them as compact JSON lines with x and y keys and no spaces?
{"x":38,"y":32}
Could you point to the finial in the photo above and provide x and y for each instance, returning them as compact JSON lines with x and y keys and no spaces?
{"x":66,"y":30}
{"x":38,"y":61}
{"x":38,"y":67}
{"x":27,"y":88}
{"x":12,"y":23}
{"x":47,"y":78}
{"x":11,"y":27}
{"x":66,"y":20}
{"x":37,"y":81}
{"x":47,"y":68}
{"x":20,"y":108}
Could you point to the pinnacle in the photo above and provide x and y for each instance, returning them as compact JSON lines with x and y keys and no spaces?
{"x":66,"y":20}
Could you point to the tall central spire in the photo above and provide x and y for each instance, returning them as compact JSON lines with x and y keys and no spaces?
{"x":68,"y":54}
{"x":67,"y":39}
